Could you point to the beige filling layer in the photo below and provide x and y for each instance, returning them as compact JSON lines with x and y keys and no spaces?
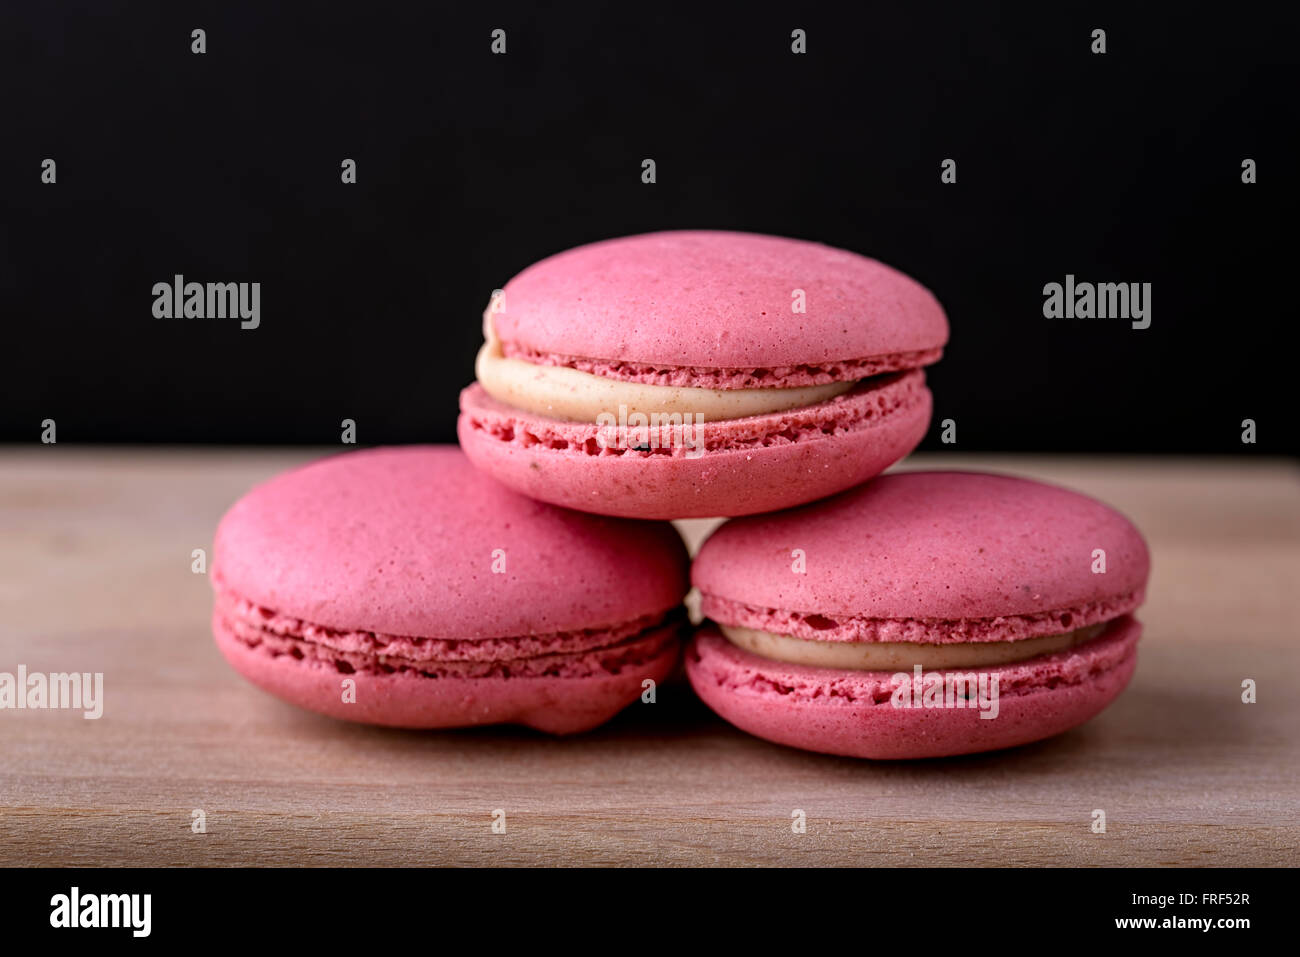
{"x":901,"y":655}
{"x":570,"y":394}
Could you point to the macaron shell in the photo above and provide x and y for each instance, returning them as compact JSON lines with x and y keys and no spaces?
{"x":707,"y":377}
{"x":719,"y":300}
{"x":403,"y":699}
{"x":748,"y":480}
{"x":406,"y":541}
{"x":361,"y":650}
{"x":930,"y":545}
{"x":850,"y":713}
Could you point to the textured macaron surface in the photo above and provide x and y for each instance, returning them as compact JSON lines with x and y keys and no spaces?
{"x":855,"y":713}
{"x":717,"y":300}
{"x":414,"y":541}
{"x":747,"y":466}
{"x":926,"y":556}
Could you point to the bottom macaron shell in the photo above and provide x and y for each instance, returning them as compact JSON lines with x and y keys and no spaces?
{"x":850,"y":713}
{"x":555,"y":705}
{"x":745,"y":480}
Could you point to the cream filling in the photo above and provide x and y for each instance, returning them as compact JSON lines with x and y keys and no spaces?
{"x":901,"y":655}
{"x":561,"y":393}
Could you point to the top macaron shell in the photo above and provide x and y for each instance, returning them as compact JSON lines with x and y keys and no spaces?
{"x":713,"y":299}
{"x":931,"y":545}
{"x":402,"y":541}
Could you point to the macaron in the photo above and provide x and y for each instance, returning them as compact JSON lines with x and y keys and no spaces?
{"x":923,"y":614}
{"x":401,"y":587}
{"x":697,"y":373}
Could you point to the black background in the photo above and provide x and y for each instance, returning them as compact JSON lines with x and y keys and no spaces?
{"x":1082,"y":902}
{"x":1124,"y":167}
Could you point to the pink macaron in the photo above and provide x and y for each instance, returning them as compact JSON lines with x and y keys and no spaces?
{"x":696,"y":373}
{"x":401,"y":587}
{"x":920,"y":615}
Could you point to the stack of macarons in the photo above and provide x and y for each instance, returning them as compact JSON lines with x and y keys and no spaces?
{"x":532,"y":579}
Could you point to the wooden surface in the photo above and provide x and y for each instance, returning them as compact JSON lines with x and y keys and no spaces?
{"x":95,"y":575}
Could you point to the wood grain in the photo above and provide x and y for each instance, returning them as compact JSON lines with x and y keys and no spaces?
{"x":95,"y":575}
